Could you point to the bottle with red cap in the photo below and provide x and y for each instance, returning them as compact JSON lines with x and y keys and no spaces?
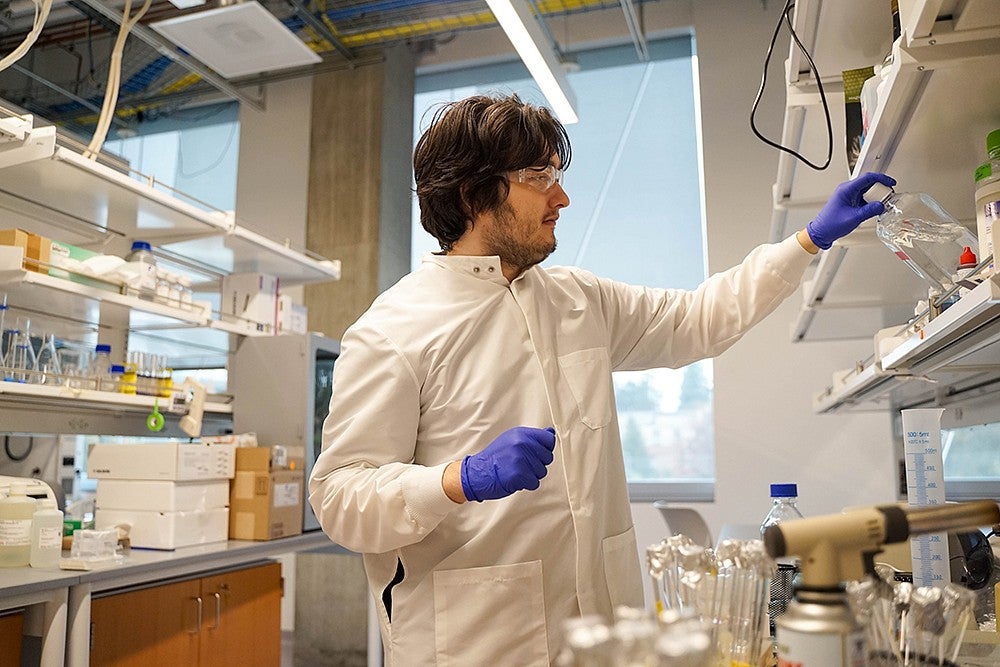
{"x":967,"y":263}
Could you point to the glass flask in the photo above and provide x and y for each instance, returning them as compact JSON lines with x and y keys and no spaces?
{"x":47,"y":370}
{"x":921,"y":233}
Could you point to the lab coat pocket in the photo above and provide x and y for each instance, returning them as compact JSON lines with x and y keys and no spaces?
{"x":485,"y":612}
{"x":621,"y":569}
{"x":588,"y":373}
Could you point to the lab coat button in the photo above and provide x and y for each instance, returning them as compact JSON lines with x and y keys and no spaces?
{"x":475,"y":269}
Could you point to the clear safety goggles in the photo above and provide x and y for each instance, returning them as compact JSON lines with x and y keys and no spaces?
{"x":540,"y":178}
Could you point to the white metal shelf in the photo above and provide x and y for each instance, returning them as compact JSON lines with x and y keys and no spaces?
{"x":73,"y":395}
{"x":30,"y":408}
{"x":953,"y":358}
{"x":51,"y":190}
{"x":938,"y":104}
{"x":929,"y":134}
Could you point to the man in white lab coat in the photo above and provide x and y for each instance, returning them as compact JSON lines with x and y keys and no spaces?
{"x":472,"y":451}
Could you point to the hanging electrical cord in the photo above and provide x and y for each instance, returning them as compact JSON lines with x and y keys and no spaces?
{"x":17,"y":458}
{"x":114,"y":80}
{"x":42,"y":8}
{"x":789,"y":5}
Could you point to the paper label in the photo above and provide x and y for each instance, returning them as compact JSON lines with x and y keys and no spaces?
{"x":50,"y":538}
{"x":15,"y":532}
{"x":800,"y":649}
{"x":286,"y":495}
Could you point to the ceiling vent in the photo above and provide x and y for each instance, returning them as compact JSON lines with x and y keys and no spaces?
{"x":237,"y":40}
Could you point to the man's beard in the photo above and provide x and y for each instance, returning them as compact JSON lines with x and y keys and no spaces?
{"x":504,"y":240}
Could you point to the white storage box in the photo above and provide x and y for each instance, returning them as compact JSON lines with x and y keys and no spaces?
{"x":253,"y":297}
{"x":161,"y":461}
{"x":134,"y":494}
{"x":168,"y":530}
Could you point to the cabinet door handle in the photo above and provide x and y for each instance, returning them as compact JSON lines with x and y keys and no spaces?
{"x":218,"y":611}
{"x":197,"y":629}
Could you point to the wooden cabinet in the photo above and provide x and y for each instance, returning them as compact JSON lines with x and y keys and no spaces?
{"x":242,"y":620}
{"x":232,"y":618}
{"x":11,"y":627}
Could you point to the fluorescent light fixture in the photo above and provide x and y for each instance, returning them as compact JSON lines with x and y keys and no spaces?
{"x":186,"y":4}
{"x":237,"y":40}
{"x":533,"y":46}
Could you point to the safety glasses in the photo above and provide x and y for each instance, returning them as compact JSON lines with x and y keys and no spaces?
{"x":540,"y":178}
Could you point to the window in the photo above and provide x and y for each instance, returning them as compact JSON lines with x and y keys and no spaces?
{"x":971,"y":461}
{"x":636,"y":215}
{"x":193,"y":151}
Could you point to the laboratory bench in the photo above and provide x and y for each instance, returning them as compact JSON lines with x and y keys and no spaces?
{"x":58,"y":603}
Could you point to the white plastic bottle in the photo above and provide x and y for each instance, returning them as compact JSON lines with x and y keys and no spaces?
{"x":784,"y":507}
{"x":988,"y":200}
{"x":16,"y":511}
{"x":46,"y":534}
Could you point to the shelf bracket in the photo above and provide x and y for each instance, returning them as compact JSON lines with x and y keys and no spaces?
{"x":20,"y":142}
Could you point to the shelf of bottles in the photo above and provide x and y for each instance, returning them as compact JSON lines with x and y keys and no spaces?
{"x":954,"y":356}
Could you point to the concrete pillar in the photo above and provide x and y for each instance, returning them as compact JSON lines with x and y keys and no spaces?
{"x":359,"y":184}
{"x":359,"y":203}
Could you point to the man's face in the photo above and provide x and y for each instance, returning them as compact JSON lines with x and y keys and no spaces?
{"x":522,"y":230}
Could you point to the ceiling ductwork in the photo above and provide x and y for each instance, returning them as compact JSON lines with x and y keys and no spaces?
{"x":172,"y":55}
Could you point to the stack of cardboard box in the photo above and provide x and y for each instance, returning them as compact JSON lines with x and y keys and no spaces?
{"x":36,"y":248}
{"x":266,"y":496}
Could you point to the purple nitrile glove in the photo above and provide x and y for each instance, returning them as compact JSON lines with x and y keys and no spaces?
{"x":846,"y":209}
{"x":515,"y":460}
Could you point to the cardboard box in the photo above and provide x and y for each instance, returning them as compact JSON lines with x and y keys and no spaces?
{"x":39,"y":253}
{"x":265,"y":505}
{"x":253,"y":458}
{"x":168,"y":530}
{"x":252,"y":297}
{"x":133,"y":494}
{"x":264,"y":459}
{"x":174,"y":461}
{"x":15,"y":237}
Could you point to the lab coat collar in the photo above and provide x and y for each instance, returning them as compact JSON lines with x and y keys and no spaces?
{"x":483,"y":267}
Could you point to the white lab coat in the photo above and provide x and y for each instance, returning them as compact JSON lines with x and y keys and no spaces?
{"x":445,"y":361}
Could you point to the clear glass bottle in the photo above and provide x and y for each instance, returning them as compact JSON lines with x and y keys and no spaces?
{"x":142,"y":257}
{"x":921,"y":233}
{"x":46,"y":534}
{"x":16,"y":511}
{"x":784,"y":507}
{"x":99,"y":369}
